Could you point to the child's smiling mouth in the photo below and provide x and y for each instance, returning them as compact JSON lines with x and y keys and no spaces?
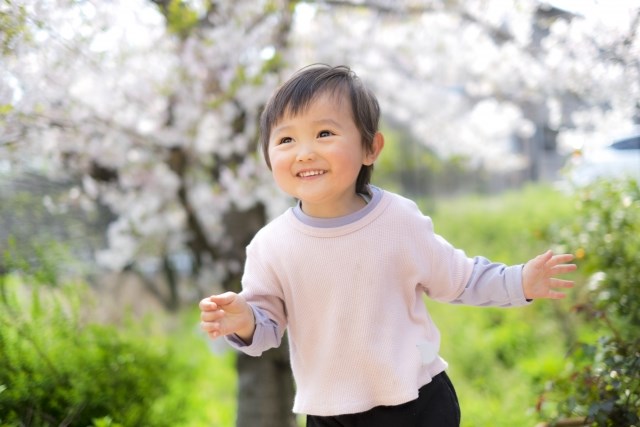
{"x":308,"y":173}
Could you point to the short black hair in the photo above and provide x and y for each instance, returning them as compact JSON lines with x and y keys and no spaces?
{"x":295,"y":95}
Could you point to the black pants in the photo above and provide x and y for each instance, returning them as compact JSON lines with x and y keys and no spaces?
{"x":436,"y":406}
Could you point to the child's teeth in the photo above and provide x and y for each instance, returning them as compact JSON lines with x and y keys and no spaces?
{"x":311,"y":173}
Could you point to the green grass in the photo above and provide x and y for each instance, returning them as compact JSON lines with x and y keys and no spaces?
{"x":509,"y":227}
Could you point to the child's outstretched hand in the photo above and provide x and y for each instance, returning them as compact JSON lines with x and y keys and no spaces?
{"x":538,"y":279}
{"x":225,"y":314}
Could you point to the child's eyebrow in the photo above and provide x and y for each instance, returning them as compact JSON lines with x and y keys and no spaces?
{"x":280,"y":128}
{"x":319,"y":122}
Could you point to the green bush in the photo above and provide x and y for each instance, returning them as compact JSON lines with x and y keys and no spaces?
{"x":58,"y":368}
{"x":602,"y":379}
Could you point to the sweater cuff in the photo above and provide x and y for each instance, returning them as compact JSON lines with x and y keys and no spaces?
{"x":513,"y":275}
{"x":264,"y":326}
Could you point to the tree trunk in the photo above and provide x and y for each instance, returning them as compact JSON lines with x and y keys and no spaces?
{"x":265,"y":383}
{"x":265,"y":389}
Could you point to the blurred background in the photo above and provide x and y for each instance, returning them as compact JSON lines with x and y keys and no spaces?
{"x":131,"y":182}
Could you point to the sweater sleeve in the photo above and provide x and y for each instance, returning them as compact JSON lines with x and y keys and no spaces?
{"x":493,"y":284}
{"x":457,"y":279}
{"x":444,"y":269}
{"x":266,"y":335}
{"x":261,"y":289}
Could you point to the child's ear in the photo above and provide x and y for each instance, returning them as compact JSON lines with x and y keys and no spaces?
{"x":376,"y":148}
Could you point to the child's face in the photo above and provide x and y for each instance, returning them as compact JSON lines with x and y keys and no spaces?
{"x":316,"y":157}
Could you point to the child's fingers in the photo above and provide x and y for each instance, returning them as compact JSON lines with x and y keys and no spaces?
{"x":559,"y":283}
{"x":560,"y":259}
{"x":541,"y":261}
{"x":212,"y":323}
{"x":211,"y":328}
{"x":544,"y":257}
{"x":207,"y":305}
{"x":211,"y":316}
{"x":223,"y":299}
{"x":562,"y":269}
{"x":556,"y":295}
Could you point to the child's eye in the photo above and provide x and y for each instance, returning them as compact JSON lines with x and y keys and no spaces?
{"x":324,"y":133}
{"x":285,"y":140}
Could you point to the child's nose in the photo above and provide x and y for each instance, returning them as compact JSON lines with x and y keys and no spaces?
{"x":305,"y":153}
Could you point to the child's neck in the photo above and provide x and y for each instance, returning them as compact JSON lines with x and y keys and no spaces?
{"x":324,"y":210}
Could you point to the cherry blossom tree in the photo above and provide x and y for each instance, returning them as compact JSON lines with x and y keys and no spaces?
{"x":153,"y":105}
{"x":152,"y":108}
{"x":460,"y":74}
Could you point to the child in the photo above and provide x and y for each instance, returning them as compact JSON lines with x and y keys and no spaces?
{"x":345,"y":269}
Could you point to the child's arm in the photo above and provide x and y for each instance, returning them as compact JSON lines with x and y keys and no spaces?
{"x":225,"y":314}
{"x":538,"y":279}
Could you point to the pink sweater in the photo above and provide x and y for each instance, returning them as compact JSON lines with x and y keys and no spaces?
{"x":351,"y":297}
